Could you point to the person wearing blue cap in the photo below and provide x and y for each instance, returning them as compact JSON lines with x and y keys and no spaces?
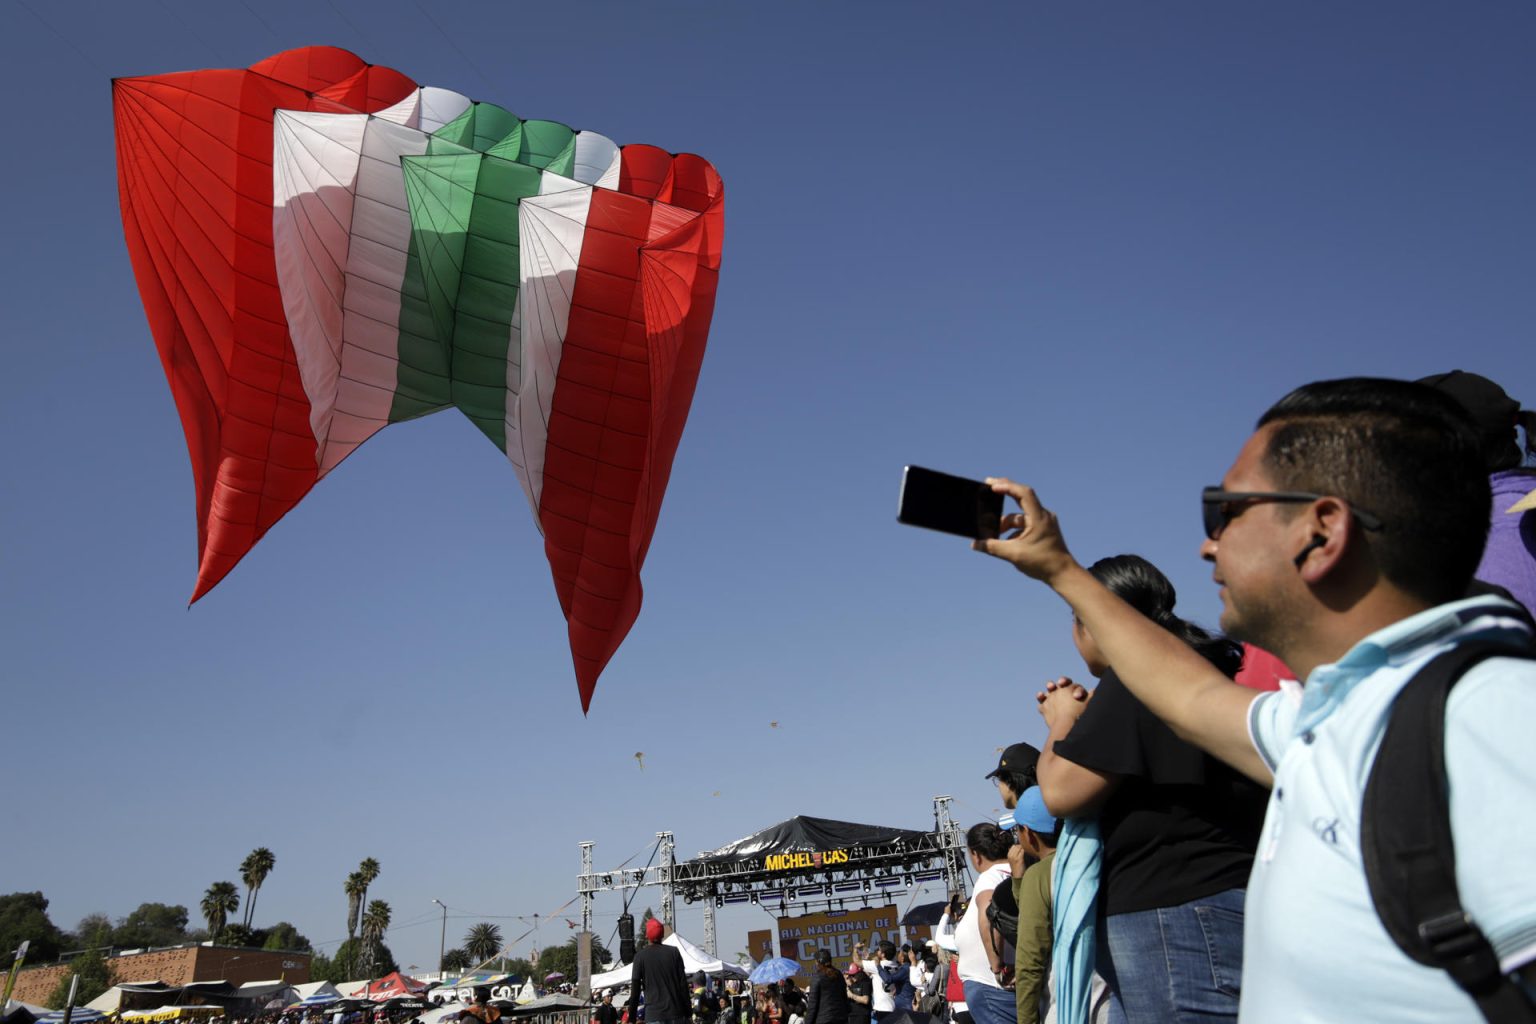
{"x":1035,"y":832}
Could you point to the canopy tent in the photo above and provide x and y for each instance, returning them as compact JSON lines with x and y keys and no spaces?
{"x":79,"y":1015}
{"x":393,"y":986}
{"x":351,"y":989}
{"x":267,"y":995}
{"x":694,"y":961}
{"x":315,"y":993}
{"x":544,"y":1004}
{"x":133,"y":995}
{"x":17,"y":1012}
{"x":804,"y":843}
{"x":526,"y":994}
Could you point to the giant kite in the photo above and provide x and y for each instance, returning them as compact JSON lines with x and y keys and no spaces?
{"x":324,"y":248}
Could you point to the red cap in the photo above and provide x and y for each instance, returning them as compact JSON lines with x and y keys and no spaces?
{"x":653,"y":930}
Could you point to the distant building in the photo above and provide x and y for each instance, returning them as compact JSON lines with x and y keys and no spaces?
{"x":176,"y":965}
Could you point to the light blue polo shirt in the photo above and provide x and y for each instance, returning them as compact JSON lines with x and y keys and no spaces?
{"x":1314,"y":949}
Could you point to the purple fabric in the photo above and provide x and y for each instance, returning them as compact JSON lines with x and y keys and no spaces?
{"x":1510,"y":557}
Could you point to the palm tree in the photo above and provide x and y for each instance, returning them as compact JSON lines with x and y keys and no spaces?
{"x":354,"y":887}
{"x":457,"y":960}
{"x":369,"y":869}
{"x":375,"y":924}
{"x":482,"y":942}
{"x":253,"y":871}
{"x":221,"y":900}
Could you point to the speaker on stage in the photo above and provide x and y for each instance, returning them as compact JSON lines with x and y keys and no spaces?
{"x":627,"y":937}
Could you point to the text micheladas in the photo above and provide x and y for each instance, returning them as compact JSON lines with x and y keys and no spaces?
{"x":814,"y":859}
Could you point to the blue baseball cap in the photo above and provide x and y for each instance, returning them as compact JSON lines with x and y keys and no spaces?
{"x":1031,"y":812}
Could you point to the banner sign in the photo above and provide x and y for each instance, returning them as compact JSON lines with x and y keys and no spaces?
{"x":836,"y":930}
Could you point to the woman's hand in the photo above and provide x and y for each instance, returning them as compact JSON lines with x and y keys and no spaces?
{"x":1062,"y":702}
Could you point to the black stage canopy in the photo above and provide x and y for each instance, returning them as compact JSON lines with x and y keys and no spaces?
{"x":803,"y":843}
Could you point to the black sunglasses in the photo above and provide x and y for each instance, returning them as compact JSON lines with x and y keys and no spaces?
{"x":1219,"y":507}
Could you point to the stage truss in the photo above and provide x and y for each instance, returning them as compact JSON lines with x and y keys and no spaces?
{"x":871,"y":871}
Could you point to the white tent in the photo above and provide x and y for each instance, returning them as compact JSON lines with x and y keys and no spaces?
{"x":526,"y":994}
{"x":110,"y":1001}
{"x":694,"y":961}
{"x":352,"y":989}
{"x":315,"y":992}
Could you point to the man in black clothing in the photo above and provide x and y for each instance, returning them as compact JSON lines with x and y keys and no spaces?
{"x":860,"y":994}
{"x":606,"y":1013}
{"x":658,"y":973}
{"x":827,"y":1002}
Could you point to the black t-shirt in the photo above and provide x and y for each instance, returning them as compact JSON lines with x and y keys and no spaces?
{"x":1181,"y":825}
{"x":607,"y":1014}
{"x":859,"y":984}
{"x":658,"y":972}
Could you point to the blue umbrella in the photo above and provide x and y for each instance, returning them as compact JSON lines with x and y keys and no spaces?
{"x":774,"y":969}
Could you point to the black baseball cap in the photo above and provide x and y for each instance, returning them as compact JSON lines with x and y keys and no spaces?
{"x":1018,"y":759}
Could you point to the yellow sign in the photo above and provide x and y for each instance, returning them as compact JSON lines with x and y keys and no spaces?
{"x":837,"y":931}
{"x":802,"y":861}
{"x":173,"y":1013}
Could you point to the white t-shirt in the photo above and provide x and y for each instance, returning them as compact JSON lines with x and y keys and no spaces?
{"x":974,"y":965}
{"x":919,"y":978}
{"x":880,"y":1001}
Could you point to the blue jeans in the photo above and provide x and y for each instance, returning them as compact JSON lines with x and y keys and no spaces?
{"x":1175,"y":964}
{"x":989,"y":1004}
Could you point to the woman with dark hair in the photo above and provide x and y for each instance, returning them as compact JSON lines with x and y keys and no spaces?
{"x":982,"y":968}
{"x":1178,"y":827}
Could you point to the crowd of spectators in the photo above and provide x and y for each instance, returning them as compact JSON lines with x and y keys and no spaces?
{"x":1185,"y":847}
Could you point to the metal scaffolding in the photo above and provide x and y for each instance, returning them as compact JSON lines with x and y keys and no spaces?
{"x":870,"y":871}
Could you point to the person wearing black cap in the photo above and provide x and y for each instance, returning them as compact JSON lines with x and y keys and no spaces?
{"x":827,"y":1001}
{"x":658,"y":973}
{"x":1015,"y":772}
{"x":1509,"y":557}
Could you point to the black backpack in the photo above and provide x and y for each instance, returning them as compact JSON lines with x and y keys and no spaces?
{"x":1406,"y":843}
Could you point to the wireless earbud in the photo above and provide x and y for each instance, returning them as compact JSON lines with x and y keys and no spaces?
{"x":1318,"y":540}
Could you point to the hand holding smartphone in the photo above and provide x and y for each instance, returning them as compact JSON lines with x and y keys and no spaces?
{"x":950,"y":504}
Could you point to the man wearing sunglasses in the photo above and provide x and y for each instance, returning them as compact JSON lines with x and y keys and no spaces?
{"x":1343,"y":538}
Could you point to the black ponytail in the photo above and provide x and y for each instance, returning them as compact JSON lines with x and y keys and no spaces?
{"x":1142,"y":585}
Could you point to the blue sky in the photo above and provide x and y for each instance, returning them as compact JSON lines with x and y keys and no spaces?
{"x":1084,"y":246}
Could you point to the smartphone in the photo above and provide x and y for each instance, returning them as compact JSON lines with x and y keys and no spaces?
{"x":948,"y":503}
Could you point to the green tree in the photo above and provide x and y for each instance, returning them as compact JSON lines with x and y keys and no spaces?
{"x":24,"y":918}
{"x":95,"y":978}
{"x":565,"y":958}
{"x":375,"y":924}
{"x":482,"y":942}
{"x":93,"y":930}
{"x":254,"y":870}
{"x":521,"y":967}
{"x":351,"y":961}
{"x":322,"y":968}
{"x":238,"y":934}
{"x":355,"y":887}
{"x":284,"y":936}
{"x":457,"y":960}
{"x":152,"y":924}
{"x":221,"y":900}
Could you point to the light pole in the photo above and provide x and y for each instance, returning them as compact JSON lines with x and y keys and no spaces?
{"x":442,"y":944}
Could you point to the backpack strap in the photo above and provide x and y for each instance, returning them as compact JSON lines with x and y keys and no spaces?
{"x":1407,"y":846}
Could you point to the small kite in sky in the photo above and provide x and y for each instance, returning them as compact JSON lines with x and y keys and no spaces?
{"x":640,"y":759}
{"x":324,"y":248}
